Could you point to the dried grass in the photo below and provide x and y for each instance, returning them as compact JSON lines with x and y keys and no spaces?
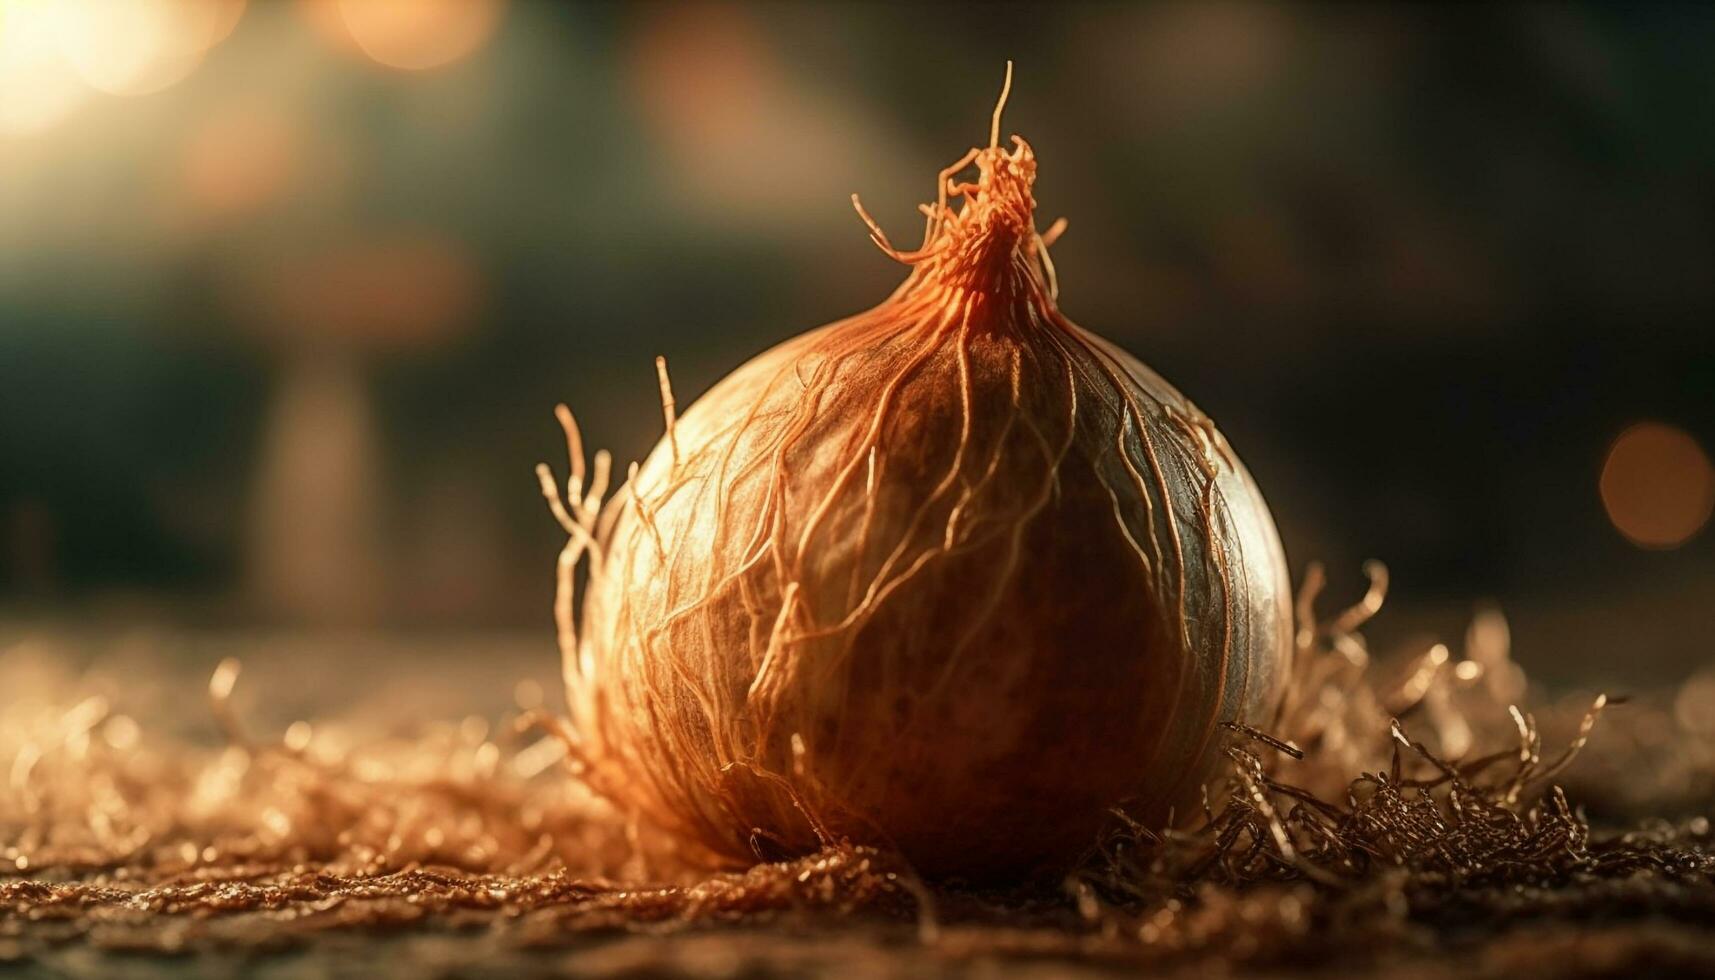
{"x":1396,"y":809}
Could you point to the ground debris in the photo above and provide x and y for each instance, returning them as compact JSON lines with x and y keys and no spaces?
{"x":1418,"y":814}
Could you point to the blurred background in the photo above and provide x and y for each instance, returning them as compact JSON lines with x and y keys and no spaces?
{"x":289,"y":289}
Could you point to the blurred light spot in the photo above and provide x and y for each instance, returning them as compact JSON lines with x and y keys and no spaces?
{"x":241,"y":160}
{"x":37,"y":87}
{"x":408,"y":291}
{"x":536,"y":759}
{"x":138,"y":47}
{"x":122,"y":733}
{"x":527,"y":694}
{"x":412,"y":35}
{"x":224,"y":19}
{"x":1488,"y":643}
{"x":1658,"y":485}
{"x":298,"y":735}
{"x":315,"y":552}
{"x":706,"y":78}
{"x":277,"y":822}
{"x":1694,"y":706}
{"x":748,"y":134}
{"x":473,"y":729}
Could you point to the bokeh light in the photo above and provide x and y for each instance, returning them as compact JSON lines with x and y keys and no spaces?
{"x":314,"y":541}
{"x":746,"y":135}
{"x":702,"y":75}
{"x":1658,"y":485}
{"x":139,"y":47}
{"x":1694,"y":705}
{"x":411,"y":35}
{"x":37,"y":87}
{"x":386,"y":291}
{"x":242,"y":159}
{"x":52,"y":52}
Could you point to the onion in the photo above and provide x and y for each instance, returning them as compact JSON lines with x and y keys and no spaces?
{"x":952,"y":576}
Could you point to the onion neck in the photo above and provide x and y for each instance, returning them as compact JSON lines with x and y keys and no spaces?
{"x":996,"y":262}
{"x":988,"y":250}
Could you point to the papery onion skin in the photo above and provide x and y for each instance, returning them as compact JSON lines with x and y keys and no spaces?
{"x":953,"y":576}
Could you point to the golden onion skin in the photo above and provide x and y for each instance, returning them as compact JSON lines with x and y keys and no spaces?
{"x":953,"y":576}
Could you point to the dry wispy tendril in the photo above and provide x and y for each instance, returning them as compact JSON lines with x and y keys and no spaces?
{"x":1417,"y":834}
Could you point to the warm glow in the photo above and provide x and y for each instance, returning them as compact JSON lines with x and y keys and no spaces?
{"x":137,"y":47}
{"x":703,"y":75}
{"x":242,"y":159}
{"x":37,"y":87}
{"x":408,"y":291}
{"x":416,"y":34}
{"x":1694,"y":707}
{"x":223,"y":19}
{"x":1657,"y":485}
{"x":712,"y":86}
{"x":53,"y":51}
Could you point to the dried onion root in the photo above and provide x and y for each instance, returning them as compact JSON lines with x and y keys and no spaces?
{"x":952,"y":576}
